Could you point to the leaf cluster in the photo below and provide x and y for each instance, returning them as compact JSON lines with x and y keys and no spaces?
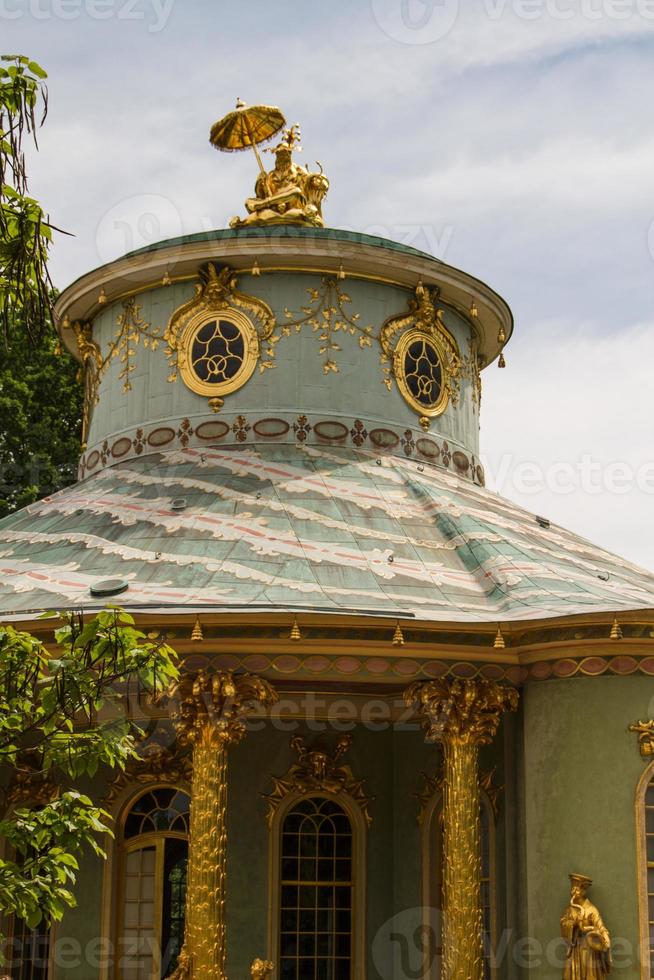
{"x":64,"y":714}
{"x":41,"y":399}
{"x":25,"y":233}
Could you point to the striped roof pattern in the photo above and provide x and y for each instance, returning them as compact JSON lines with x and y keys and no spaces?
{"x":321,"y":529}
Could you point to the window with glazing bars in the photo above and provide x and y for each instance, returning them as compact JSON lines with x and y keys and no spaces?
{"x":316,"y":892}
{"x":649,"y":844}
{"x":153,"y":891}
{"x":29,"y":951}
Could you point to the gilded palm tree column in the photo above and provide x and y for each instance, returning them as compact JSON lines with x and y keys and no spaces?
{"x":462,"y":715}
{"x":207,"y":710}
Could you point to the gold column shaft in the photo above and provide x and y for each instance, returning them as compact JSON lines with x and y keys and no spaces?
{"x":462,"y":715}
{"x":463,"y":950}
{"x":205,"y":897}
{"x":207,"y":710}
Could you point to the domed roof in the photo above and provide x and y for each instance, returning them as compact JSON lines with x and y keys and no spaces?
{"x":324,"y":529}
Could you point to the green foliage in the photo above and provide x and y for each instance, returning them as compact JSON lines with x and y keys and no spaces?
{"x":25,"y":233}
{"x":40,"y":420}
{"x":63,"y":715}
{"x":37,"y":884}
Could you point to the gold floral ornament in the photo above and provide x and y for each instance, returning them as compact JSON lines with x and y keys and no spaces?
{"x":645,"y":732}
{"x":423,"y":356}
{"x":326,"y":315}
{"x":215,"y":340}
{"x":131,"y":330}
{"x":319,"y":770}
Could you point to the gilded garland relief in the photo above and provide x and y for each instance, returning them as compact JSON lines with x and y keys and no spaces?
{"x":216,"y":341}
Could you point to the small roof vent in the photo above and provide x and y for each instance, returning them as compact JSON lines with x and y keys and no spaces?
{"x":109,"y":586}
{"x":542,"y":521}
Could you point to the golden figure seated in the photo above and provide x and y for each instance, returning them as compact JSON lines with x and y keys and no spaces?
{"x":288,"y":194}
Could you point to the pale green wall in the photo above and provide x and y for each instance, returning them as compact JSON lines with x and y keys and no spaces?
{"x":296,"y":385}
{"x":581,"y":770}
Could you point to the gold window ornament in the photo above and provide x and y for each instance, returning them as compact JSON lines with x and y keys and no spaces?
{"x":214,"y":342}
{"x":420,"y":353}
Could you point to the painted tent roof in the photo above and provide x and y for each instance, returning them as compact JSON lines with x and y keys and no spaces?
{"x":279,"y":527}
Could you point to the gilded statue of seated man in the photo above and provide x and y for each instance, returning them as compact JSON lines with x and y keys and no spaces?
{"x":288,"y":194}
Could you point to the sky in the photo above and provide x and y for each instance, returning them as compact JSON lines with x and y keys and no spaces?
{"x":511,"y":138}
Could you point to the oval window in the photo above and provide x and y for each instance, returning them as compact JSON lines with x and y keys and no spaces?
{"x":423,"y":372}
{"x":219,"y":353}
{"x":420,"y":373}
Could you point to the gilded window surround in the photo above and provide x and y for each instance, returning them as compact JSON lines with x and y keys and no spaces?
{"x":114,"y":847}
{"x":359,"y":861}
{"x":641,"y":871}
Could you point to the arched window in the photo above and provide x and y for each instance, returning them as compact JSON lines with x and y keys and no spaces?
{"x":29,"y":951}
{"x":645,"y":838}
{"x":433,"y":883}
{"x":316,"y":899}
{"x":152,"y":892}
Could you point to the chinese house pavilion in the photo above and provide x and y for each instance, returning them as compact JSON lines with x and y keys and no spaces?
{"x":418,"y":696}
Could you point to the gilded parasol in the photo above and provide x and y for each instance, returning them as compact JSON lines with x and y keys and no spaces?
{"x":246,"y":126}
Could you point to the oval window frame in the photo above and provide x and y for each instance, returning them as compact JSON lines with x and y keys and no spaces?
{"x":250,"y":353}
{"x":400,"y":375}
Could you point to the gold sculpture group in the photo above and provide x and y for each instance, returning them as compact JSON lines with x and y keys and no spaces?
{"x":288,"y":194}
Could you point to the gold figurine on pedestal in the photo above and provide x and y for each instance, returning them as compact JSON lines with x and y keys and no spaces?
{"x":587,"y":938}
{"x":288,"y":194}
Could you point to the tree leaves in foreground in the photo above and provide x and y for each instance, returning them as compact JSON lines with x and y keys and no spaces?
{"x":41,"y":399}
{"x":62,"y":715}
{"x":25,"y":232}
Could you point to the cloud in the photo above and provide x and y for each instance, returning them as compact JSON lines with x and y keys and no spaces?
{"x":516,"y":146}
{"x":566,"y":431}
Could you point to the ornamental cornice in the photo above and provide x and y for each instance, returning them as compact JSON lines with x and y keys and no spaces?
{"x":330,"y":253}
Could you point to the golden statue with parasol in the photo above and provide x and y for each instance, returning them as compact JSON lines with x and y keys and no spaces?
{"x":286,"y":195}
